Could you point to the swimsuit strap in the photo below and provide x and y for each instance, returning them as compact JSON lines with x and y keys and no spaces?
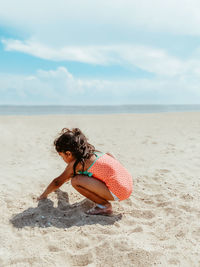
{"x":98,"y":155}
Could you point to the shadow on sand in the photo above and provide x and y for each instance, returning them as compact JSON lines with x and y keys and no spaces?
{"x":62,"y":216}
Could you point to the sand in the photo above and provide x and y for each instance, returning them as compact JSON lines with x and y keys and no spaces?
{"x":157,"y":226}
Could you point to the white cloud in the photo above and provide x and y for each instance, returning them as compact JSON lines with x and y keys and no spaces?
{"x":88,"y":54}
{"x":153,"y":60}
{"x":61,"y":87}
{"x":45,"y":87}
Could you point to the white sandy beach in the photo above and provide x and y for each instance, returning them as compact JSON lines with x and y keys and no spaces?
{"x":157,"y":226}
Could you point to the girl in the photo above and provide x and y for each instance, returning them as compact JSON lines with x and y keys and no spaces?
{"x":97,"y":176}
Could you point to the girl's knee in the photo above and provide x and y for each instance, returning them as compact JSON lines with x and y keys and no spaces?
{"x":73,"y":181}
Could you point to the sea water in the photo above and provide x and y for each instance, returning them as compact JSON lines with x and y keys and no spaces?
{"x":104,"y":109}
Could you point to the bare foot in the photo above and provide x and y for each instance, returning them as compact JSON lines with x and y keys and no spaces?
{"x":100,"y":211}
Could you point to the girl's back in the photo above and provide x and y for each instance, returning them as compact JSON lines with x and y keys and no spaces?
{"x":113,"y":174}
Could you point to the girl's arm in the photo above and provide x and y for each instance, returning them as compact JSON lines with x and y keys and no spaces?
{"x":57,"y":182}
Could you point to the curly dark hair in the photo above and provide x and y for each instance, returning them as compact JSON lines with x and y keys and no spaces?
{"x":75,"y":142}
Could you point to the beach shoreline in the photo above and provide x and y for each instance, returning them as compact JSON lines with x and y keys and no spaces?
{"x":32,"y":110}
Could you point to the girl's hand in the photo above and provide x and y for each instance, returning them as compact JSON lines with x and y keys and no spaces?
{"x":41,"y":197}
{"x":57,"y":182}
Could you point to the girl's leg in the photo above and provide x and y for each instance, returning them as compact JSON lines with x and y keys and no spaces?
{"x":95,"y":190}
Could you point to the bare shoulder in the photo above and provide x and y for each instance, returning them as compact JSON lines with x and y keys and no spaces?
{"x":87,"y":164}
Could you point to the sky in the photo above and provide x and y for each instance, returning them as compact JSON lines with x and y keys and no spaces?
{"x":102,"y":52}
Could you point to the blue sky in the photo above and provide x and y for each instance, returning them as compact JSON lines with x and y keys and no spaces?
{"x":100,"y":52}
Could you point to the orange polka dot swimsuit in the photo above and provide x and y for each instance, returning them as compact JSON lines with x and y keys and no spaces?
{"x":113,"y":174}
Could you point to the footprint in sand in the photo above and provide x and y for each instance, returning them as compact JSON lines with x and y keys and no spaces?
{"x":146,"y":214}
{"x":186,"y":197}
{"x":196,"y":234}
{"x":121,"y":245}
{"x":172,"y":211}
{"x":81,"y":243}
{"x":180,"y":234}
{"x":170,"y":149}
{"x":140,"y":257}
{"x":23,"y":261}
{"x":137,"y":230}
{"x":149,"y":202}
{"x":81,"y":259}
{"x":163,"y":204}
{"x":174,"y":261}
{"x":160,"y":198}
{"x":185,"y":208}
{"x":164,"y":171}
{"x":53,"y":248}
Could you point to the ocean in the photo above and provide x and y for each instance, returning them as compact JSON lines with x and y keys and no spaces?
{"x":104,"y":109}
